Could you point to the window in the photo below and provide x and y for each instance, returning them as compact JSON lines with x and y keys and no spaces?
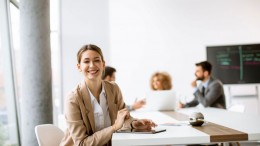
{"x":9,"y":131}
{"x":55,"y":58}
{"x":10,"y":70}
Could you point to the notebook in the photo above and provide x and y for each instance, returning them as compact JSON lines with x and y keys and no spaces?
{"x":161,"y":100}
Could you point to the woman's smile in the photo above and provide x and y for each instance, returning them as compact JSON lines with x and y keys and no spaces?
{"x":93,"y":72}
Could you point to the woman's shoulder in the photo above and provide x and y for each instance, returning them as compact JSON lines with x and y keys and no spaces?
{"x":111,"y":85}
{"x":74,"y":93}
{"x":73,"y":100}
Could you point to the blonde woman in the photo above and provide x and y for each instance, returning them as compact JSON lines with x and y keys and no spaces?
{"x":161,"y":81}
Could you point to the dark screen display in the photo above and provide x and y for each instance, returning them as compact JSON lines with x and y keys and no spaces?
{"x":236,"y":64}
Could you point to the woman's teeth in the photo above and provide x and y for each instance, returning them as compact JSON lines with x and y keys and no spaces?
{"x":93,"y":71}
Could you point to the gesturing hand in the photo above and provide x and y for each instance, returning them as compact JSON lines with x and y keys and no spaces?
{"x":138,"y":104}
{"x":121,"y":116}
{"x":180,"y":105}
{"x":143,"y":124}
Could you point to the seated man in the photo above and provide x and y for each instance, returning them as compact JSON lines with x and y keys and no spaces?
{"x":210,"y":92}
{"x":110,"y":75}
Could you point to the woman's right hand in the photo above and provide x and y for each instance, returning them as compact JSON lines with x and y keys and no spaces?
{"x":121,"y":116}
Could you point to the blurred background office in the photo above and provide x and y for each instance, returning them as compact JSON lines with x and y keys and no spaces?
{"x":138,"y":37}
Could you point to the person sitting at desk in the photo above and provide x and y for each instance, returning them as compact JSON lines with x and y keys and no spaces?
{"x":161,"y":81}
{"x":210,"y":92}
{"x":95,"y":109}
{"x":110,"y":75}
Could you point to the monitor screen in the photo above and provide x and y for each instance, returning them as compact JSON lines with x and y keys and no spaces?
{"x":235,"y":64}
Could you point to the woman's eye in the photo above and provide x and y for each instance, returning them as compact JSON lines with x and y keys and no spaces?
{"x":86,"y":61}
{"x":97,"y":60}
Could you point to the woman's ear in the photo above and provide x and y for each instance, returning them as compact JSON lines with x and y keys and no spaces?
{"x":78,"y":66}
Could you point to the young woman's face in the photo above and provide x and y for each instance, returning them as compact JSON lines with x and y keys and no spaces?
{"x":91,"y":65}
{"x":157,"y":85}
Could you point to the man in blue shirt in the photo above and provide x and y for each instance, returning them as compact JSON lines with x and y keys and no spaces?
{"x":210,"y":92}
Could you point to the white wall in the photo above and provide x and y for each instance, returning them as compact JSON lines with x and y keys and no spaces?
{"x":82,"y":22}
{"x":172,"y":35}
{"x":140,"y":37}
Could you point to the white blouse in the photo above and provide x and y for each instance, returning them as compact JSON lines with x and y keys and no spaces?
{"x":101,"y":112}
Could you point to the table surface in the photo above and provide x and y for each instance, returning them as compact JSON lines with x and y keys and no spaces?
{"x":221,"y":126}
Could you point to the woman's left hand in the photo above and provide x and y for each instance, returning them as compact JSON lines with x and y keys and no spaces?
{"x":143,"y":124}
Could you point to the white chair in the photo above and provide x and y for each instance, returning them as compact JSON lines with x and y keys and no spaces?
{"x":48,"y":135}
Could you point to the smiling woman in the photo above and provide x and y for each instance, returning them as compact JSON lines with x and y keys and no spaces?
{"x":96,"y":107}
{"x":91,"y":62}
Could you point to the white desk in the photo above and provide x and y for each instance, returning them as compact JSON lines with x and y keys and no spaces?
{"x":248,"y":125}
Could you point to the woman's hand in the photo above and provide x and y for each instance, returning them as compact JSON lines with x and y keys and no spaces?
{"x":122,"y":115}
{"x":143,"y":124}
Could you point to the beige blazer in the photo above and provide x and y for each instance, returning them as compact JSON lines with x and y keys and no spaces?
{"x":79,"y":116}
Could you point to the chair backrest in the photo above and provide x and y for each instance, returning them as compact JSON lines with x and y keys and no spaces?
{"x":48,"y":135}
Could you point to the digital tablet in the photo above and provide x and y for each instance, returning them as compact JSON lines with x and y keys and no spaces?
{"x":141,"y":131}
